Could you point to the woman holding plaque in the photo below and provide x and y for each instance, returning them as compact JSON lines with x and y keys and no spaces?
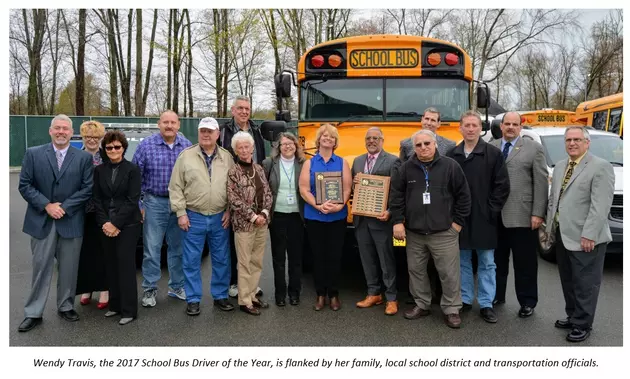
{"x":325,"y":186}
{"x":286,"y":227}
{"x":250,"y":201}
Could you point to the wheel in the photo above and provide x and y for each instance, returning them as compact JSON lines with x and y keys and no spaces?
{"x":546,"y":248}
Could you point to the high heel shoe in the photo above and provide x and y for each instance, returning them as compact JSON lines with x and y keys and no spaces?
{"x":86,"y":300}
{"x":102,"y":305}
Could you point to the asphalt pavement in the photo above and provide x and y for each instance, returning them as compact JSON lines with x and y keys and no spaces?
{"x":168,"y":325}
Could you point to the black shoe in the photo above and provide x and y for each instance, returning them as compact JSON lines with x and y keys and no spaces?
{"x":488,"y":315}
{"x":281,"y":302}
{"x":251,"y":310}
{"x":563,"y":324}
{"x":224,"y":305}
{"x":192,"y":309}
{"x":29,"y":323}
{"x":260,"y":304}
{"x":294,"y":300}
{"x":498,"y":302}
{"x":70,"y":315}
{"x":525,"y":311}
{"x":465,"y":307}
{"x":578,"y":334}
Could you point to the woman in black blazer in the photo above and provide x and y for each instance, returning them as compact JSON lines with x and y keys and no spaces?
{"x":116,"y":194}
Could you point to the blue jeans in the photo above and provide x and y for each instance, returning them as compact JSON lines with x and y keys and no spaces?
{"x":204,"y":228}
{"x":486,"y":277}
{"x":158,"y":222}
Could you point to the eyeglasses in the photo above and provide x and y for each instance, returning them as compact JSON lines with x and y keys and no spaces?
{"x":287,"y":144}
{"x":242,"y":109}
{"x":115,"y":147}
{"x":371,"y":138}
{"x":92,"y":138}
{"x":426,"y":143}
{"x":576,"y":140}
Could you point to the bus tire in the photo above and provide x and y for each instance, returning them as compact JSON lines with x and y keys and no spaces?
{"x":546,"y":250}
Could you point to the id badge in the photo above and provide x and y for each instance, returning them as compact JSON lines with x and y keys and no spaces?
{"x":426,"y":198}
{"x":290,"y":199}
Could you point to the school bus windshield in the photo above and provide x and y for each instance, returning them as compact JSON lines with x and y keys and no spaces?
{"x":382,"y":99}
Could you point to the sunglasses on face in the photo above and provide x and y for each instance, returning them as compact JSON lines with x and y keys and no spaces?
{"x":115,"y":147}
{"x":426,"y":143}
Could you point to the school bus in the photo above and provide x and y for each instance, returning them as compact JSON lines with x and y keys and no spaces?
{"x":377,"y":80}
{"x":605,"y":113}
{"x":545,"y":117}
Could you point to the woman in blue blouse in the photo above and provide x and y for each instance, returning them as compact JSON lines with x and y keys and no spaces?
{"x":326,"y":222}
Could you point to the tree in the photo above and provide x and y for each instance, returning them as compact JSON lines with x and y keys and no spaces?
{"x":34,"y":48}
{"x":80,"y":72}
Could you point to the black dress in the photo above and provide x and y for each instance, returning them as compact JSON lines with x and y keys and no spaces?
{"x":92,"y":274}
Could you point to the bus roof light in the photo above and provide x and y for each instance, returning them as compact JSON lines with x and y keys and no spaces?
{"x":451,"y":59}
{"x":434,"y":59}
{"x":334,"y":60}
{"x":317,"y":61}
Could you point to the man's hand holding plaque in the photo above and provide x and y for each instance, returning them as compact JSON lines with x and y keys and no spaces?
{"x":370,"y":196}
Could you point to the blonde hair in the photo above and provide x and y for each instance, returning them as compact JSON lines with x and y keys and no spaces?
{"x":331,"y":130}
{"x":92,"y":128}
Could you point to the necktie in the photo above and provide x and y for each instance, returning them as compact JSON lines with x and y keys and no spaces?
{"x":59,"y":159}
{"x":506,"y":150}
{"x":370,"y":163}
{"x":567,"y":177}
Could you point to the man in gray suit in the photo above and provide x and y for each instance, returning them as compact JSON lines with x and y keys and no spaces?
{"x":56,"y":182}
{"x":374,"y":235}
{"x":579,"y":203}
{"x":430,"y":121}
{"x":521,"y":215}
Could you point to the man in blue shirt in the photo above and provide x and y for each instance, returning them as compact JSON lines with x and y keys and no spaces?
{"x":156,"y":156}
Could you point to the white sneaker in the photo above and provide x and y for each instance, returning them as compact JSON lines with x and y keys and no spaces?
{"x":148,"y":300}
{"x":178,"y":293}
{"x":233,"y":291}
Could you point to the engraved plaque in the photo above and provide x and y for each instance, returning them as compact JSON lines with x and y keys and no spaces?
{"x":370,"y":195}
{"x":328,"y":186}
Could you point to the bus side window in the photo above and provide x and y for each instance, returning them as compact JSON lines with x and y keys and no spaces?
{"x":614,"y":120}
{"x":599,"y":120}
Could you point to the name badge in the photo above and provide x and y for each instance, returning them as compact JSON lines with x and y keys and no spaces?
{"x":290,"y":199}
{"x":426,"y":198}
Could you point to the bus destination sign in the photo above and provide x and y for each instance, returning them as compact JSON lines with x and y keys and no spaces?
{"x":384,"y":58}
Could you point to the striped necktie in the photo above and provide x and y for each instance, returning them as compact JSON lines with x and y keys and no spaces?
{"x":370,"y":163}
{"x":59,"y":159}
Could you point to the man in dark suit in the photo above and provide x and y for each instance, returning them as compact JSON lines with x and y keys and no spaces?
{"x":522,"y":214}
{"x":430,"y":121}
{"x":56,"y":182}
{"x":579,"y":203}
{"x":374,"y":234}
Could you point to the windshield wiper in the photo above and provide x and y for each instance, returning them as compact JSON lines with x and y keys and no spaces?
{"x":414,"y":114}
{"x":617,"y":163}
{"x":353,"y":117}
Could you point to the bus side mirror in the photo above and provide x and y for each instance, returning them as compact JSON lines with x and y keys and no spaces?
{"x":283,"y":85}
{"x":495,"y":129}
{"x":271,"y":129}
{"x":283,"y":116}
{"x":485,"y":125}
{"x":483,"y":97}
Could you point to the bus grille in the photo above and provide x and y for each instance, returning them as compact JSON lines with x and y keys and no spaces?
{"x":616,"y":212}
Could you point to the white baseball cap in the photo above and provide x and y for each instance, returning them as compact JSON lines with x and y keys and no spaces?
{"x":208,"y":123}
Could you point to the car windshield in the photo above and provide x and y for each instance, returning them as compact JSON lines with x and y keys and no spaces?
{"x":608,"y":147}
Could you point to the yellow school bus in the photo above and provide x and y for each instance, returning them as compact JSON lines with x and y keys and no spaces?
{"x":605,"y":113}
{"x":550,"y":118}
{"x":378,"y":80}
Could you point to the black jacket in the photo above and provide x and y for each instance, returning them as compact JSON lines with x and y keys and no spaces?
{"x":448,"y":189}
{"x":230,"y":128}
{"x":124,"y":192}
{"x":489,"y":184}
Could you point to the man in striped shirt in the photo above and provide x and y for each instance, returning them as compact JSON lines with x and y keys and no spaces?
{"x":156,"y":156}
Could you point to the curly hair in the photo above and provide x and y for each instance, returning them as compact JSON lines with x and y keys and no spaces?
{"x":115,"y":135}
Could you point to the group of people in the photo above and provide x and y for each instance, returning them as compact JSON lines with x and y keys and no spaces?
{"x":88,"y":209}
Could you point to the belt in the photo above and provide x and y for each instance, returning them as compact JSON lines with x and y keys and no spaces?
{"x":152,"y":194}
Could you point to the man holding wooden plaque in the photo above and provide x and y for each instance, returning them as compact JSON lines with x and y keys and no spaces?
{"x":371,"y":175}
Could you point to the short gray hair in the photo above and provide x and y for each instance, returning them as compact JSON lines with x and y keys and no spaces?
{"x":582,"y":129}
{"x":375,"y":128}
{"x":425,"y":132}
{"x":61,"y":117}
{"x":242,"y":137}
{"x":432,"y":110}
{"x":470,"y":113}
{"x":242,"y":98}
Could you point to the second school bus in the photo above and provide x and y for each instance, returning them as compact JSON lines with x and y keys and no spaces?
{"x":605,"y":113}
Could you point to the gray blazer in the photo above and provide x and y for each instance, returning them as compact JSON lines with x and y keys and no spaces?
{"x":529,"y":185}
{"x":41,"y":182}
{"x":383,"y":166}
{"x":271,"y":166}
{"x":585,"y":203}
{"x":444,"y":145}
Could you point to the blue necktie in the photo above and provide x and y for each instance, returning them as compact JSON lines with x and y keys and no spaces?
{"x":506,"y":150}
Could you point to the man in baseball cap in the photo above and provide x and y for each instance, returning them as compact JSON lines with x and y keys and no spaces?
{"x":198,"y":194}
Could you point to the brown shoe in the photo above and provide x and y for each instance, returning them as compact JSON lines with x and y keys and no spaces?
{"x":335,"y":304}
{"x":453,"y":320}
{"x":391,"y":308}
{"x":370,"y":301}
{"x":416,"y":312}
{"x":320,"y":303}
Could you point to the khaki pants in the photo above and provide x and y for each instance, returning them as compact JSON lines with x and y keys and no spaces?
{"x":444,"y":248}
{"x":250,"y":250}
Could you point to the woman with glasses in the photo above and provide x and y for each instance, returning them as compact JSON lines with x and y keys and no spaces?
{"x":92,"y":273}
{"x":286,"y":227}
{"x":116,"y":194}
